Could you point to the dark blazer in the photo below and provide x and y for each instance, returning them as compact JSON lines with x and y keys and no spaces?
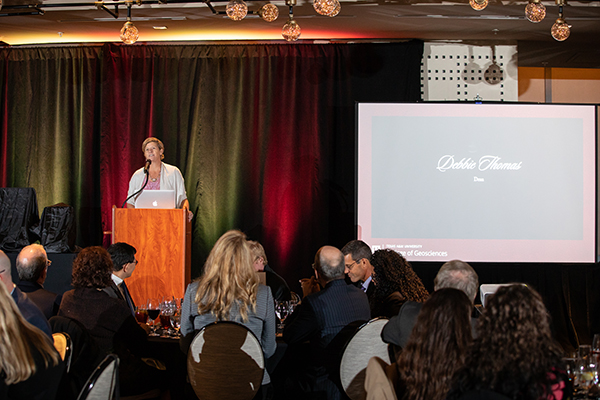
{"x":324,"y":314}
{"x":114,"y":330}
{"x":323,"y":319}
{"x":398,"y":329}
{"x":47,"y":301}
{"x":389,"y":307}
{"x":114,"y":292}
{"x":31,"y":312}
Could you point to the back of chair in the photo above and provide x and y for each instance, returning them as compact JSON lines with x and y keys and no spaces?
{"x":84,"y":355}
{"x":64,"y":346}
{"x":365,"y":343}
{"x":225,"y":361}
{"x":103,"y":384}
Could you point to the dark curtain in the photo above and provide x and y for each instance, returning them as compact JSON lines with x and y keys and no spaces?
{"x":263,"y":134}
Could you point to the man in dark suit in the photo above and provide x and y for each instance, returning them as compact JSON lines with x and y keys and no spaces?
{"x":124,"y":263}
{"x":320,"y":318}
{"x":358,"y":268}
{"x":32,"y":266}
{"x":28,"y":309}
{"x":453,"y":274}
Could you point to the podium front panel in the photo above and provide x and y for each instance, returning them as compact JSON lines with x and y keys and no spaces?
{"x":162,"y":239}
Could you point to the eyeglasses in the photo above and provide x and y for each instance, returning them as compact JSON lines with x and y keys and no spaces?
{"x":349,"y":267}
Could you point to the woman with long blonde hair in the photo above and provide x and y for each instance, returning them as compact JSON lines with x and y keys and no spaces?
{"x":30,"y":367}
{"x":229,"y":290}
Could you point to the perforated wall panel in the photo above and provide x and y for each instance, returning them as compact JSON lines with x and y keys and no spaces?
{"x":461,"y":72}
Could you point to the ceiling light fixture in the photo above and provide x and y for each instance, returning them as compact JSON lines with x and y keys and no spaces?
{"x":291,"y":30}
{"x":560,"y":30}
{"x":237,"y":10}
{"x":478,"y":5}
{"x":327,"y":7}
{"x":129,"y":33}
{"x":269,"y":12}
{"x":535,"y":11}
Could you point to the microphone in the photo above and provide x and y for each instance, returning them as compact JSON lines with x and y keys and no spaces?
{"x":148,"y":162}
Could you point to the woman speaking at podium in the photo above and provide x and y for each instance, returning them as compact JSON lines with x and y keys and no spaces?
{"x":161,"y":176}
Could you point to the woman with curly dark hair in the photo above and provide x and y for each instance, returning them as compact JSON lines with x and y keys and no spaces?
{"x":437,"y":346}
{"x":514,"y":354}
{"x":395,"y":283}
{"x":108,"y":320}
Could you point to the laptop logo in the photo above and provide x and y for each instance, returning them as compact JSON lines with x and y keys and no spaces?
{"x":155,"y":203}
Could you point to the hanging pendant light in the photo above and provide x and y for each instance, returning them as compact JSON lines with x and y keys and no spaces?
{"x":129,"y":33}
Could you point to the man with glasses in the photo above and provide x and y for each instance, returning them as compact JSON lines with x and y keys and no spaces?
{"x":32,"y":267}
{"x":124,"y":263}
{"x":358,"y":268}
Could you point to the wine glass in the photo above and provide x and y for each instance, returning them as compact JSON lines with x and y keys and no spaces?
{"x":167,"y":309}
{"x":153,"y":313}
{"x":141,"y":314}
{"x":596,"y":344}
{"x":282,"y":310}
{"x":175,"y":321}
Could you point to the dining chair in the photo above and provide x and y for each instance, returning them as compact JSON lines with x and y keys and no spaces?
{"x":225,"y":361}
{"x":363,"y":345}
{"x":103,"y":384}
{"x":85,"y":355}
{"x":64,"y":346}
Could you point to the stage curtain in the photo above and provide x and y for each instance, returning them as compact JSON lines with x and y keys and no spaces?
{"x":264,"y":134}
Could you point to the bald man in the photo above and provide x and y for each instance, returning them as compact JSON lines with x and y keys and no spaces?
{"x":29,"y":310}
{"x":322,"y":315}
{"x":32,"y":267}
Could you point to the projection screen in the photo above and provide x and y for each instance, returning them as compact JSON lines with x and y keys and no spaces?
{"x":478,"y":182}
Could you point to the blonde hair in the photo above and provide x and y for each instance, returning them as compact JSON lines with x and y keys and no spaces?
{"x":258,"y":251}
{"x":153,"y":140}
{"x":229,"y":278}
{"x":17,"y":336}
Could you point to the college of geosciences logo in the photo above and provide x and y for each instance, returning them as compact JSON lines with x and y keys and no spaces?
{"x":485,"y":163}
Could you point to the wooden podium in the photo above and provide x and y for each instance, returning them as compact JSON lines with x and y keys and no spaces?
{"x":163,"y":240}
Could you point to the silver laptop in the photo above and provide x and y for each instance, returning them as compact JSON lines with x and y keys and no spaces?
{"x":156,"y":199}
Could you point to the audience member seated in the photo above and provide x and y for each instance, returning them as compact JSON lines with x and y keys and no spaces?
{"x":32,"y":267}
{"x":514,"y":354}
{"x":395,"y":283}
{"x":318,"y":319}
{"x":28,"y":309}
{"x":357,"y":265}
{"x":437,"y":347}
{"x":279,"y":288}
{"x":109,"y":321}
{"x":30,"y":367}
{"x":453,"y":274}
{"x":124,"y":263}
{"x":229,"y":290}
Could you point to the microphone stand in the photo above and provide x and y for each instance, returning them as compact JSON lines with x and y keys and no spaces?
{"x":139,"y":191}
